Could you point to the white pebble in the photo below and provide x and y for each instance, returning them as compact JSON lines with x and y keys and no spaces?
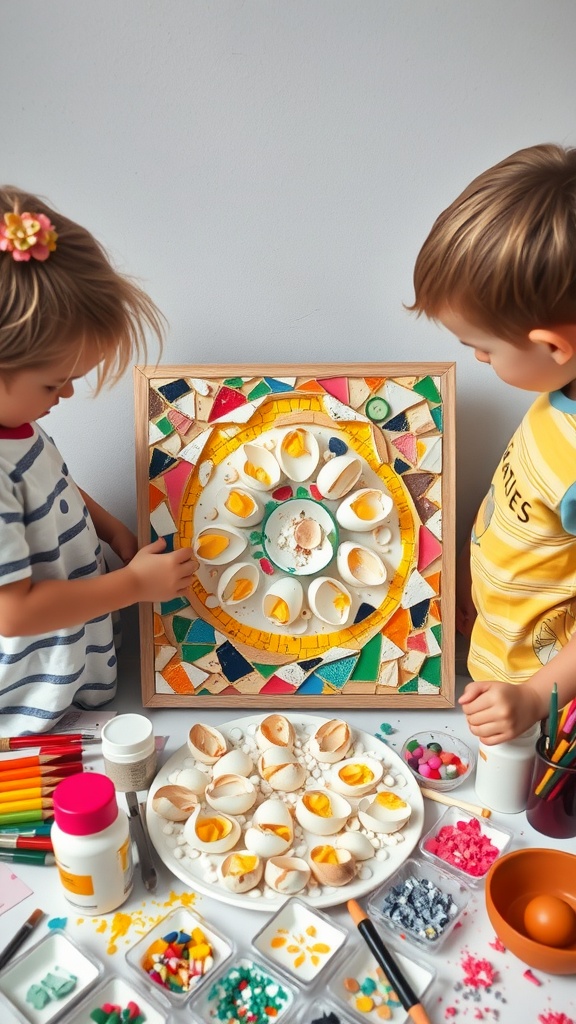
{"x":179,"y":853}
{"x":181,"y":840}
{"x":254,"y":893}
{"x":316,"y":774}
{"x":375,"y":843}
{"x":364,"y":873}
{"x":300,"y":851}
{"x":193,"y":854}
{"x":354,"y":824}
{"x":310,"y":782}
{"x":388,"y":780}
{"x":236,"y":734}
{"x":168,"y":829}
{"x":381,"y":855}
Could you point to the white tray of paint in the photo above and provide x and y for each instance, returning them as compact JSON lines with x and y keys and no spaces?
{"x":361,"y":987}
{"x":56,"y":952}
{"x":118,"y":992}
{"x":300,"y":941}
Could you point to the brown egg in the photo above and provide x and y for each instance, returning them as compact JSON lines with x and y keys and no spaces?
{"x":550,"y":920}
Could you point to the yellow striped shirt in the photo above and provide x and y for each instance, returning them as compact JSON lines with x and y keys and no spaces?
{"x":523,"y":550}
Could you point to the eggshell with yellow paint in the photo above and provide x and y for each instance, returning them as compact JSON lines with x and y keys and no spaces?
{"x":322,"y":812}
{"x":356,"y":776}
{"x":258,"y":467}
{"x":211,"y":832}
{"x":238,"y":583}
{"x":298,"y":453}
{"x":364,"y":509}
{"x":239,"y":506}
{"x":329,"y":600}
{"x":271,"y":832}
{"x":218,"y":545}
{"x":386,"y":812}
{"x":283,"y":601}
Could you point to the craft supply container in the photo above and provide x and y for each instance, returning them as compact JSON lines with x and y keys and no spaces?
{"x":415,"y":867}
{"x":178,"y":920}
{"x":129,"y":752}
{"x":504,"y":772}
{"x":552,"y":811}
{"x":360,"y":965}
{"x":322,"y":1008}
{"x":119,"y":992}
{"x":56,"y":949}
{"x":207,"y":999}
{"x":448,"y":743}
{"x":499,"y":835}
{"x":303,"y":966}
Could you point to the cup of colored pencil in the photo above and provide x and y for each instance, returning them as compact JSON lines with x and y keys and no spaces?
{"x":551,"y":807}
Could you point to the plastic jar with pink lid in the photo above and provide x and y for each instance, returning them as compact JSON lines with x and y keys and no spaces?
{"x":91,"y":843}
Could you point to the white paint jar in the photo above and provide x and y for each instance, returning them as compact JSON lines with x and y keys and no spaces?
{"x":91,"y":843}
{"x":504,"y":772}
{"x":129,"y":752}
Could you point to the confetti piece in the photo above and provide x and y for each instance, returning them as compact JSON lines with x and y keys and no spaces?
{"x":498,"y":945}
{"x":478,"y":973}
{"x":531,"y":977}
{"x":554,"y":1018}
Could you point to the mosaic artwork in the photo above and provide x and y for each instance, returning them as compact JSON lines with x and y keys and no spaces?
{"x":318,"y":501}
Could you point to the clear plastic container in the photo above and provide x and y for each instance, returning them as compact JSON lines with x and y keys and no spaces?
{"x":324,"y":1011}
{"x":55,"y":951}
{"x":206,"y":1004}
{"x":360,"y":968}
{"x":178,"y":920}
{"x":448,"y":742}
{"x":119,"y":992}
{"x":288,"y":941}
{"x":459,"y":891}
{"x":499,"y":836}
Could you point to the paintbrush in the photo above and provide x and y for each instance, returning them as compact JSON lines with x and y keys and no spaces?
{"x":19,"y":842}
{"x":46,"y":740}
{"x":43,"y":857}
{"x":20,"y":937}
{"x":26,"y":828}
{"x":441,"y":798}
{"x":403,"y":989}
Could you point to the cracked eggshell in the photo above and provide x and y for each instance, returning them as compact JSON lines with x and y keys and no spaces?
{"x":364,"y":509}
{"x":322,"y":812}
{"x":331,"y":866}
{"x":233,"y":794}
{"x":283,"y":601}
{"x":287,"y":875}
{"x":360,"y":566}
{"x":211,"y":833}
{"x":329,"y":600}
{"x":239,"y":506}
{"x":241,"y":871}
{"x":258,"y":468}
{"x":386,"y":812}
{"x":205,"y":743}
{"x":241,"y":579}
{"x":298,"y":454}
{"x":192,"y":779}
{"x":280,"y":769}
{"x":176,"y":803}
{"x":338,"y":476}
{"x":208,"y":544}
{"x":356,"y":776}
{"x":271,"y":833}
{"x":331,"y":742}
{"x":275,"y":731}
{"x":357,"y":843}
{"x":235,"y":762}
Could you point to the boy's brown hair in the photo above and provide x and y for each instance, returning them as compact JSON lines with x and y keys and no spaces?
{"x":503,"y":254}
{"x":73,"y":298}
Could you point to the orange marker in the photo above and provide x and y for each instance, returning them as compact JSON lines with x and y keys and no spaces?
{"x":376,"y":946}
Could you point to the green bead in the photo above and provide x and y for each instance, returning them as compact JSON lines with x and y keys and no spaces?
{"x":436,"y":747}
{"x":377,"y":409}
{"x":412,"y":745}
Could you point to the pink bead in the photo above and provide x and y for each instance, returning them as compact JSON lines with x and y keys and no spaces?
{"x":434,"y":762}
{"x":425,"y":771}
{"x":417,"y":752}
{"x":425,"y":756}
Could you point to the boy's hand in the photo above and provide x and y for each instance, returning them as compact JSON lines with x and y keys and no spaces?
{"x":123,"y":542}
{"x":160,"y":576}
{"x":497,"y":711}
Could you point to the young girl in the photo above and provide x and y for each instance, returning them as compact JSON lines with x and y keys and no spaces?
{"x":64,"y":311}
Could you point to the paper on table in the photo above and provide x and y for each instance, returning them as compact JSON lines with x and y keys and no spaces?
{"x":12,"y":889}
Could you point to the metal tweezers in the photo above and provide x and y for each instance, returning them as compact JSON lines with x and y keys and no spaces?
{"x":140,"y":837}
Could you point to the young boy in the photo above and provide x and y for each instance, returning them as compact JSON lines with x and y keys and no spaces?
{"x":64,"y":311}
{"x":498,"y":270}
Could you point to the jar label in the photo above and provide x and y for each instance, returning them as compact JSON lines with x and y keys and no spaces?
{"x":80,"y":885}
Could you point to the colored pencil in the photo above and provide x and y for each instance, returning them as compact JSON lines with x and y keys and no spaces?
{"x":17,"y":842}
{"x":24,"y":816}
{"x":27,"y":856}
{"x":553,"y":720}
{"x":27,"y":828}
{"x":10,"y":796}
{"x":45,"y":740}
{"x":56,"y":756}
{"x":37,"y":782}
{"x":20,"y":937}
{"x":41,"y":803}
{"x":57,"y":771}
{"x":386,"y":961}
{"x":441,"y":798}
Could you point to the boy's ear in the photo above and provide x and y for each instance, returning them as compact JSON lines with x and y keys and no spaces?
{"x":560,"y":341}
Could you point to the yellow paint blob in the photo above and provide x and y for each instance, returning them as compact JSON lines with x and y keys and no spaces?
{"x":257,"y":473}
{"x":318,"y":803}
{"x":210,"y":830}
{"x":391,"y":801}
{"x":210,"y":545}
{"x":282,"y":831}
{"x":364,"y":1004}
{"x":279,"y":611}
{"x":341,"y":602}
{"x":239,"y":504}
{"x":241,"y":588}
{"x":241,"y":864}
{"x":294,"y":444}
{"x":325,"y":855}
{"x":364,"y":508}
{"x":356,"y":774}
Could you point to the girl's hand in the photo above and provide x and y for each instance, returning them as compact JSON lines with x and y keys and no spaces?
{"x":160,"y":575}
{"x":123,"y":542}
{"x":497,"y":711}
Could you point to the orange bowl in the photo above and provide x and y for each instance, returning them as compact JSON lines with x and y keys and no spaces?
{"x":514,"y":880}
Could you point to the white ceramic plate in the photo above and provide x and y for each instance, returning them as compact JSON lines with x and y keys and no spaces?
{"x":165,"y":835}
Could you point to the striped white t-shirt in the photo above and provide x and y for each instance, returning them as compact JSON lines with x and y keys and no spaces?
{"x":46,"y":533}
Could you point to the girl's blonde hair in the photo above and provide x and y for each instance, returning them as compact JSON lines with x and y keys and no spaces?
{"x":503,"y":254}
{"x":74,"y":298}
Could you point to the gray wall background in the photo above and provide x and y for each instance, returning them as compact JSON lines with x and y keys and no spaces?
{"x":269,"y":169}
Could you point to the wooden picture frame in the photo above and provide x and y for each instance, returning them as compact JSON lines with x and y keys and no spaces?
{"x":205,"y":431}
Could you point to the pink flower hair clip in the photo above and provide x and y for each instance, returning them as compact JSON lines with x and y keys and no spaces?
{"x":27,"y":235}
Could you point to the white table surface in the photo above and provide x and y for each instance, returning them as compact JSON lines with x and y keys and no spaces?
{"x":524,"y":1001}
